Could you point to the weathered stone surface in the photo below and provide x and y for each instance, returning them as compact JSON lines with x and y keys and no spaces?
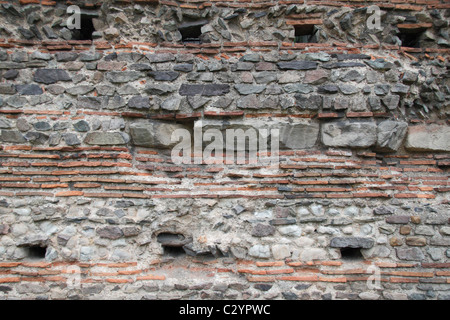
{"x":384,"y":210}
{"x":290,"y":231}
{"x":262,"y":230}
{"x":154,"y":134}
{"x":398,"y":219}
{"x":183,"y":67}
{"x":164,"y":75}
{"x":299,"y":135}
{"x":50,"y":76}
{"x":428,"y":138}
{"x":297,"y":65}
{"x":328,"y":89}
{"x":298,"y":88}
{"x":42,"y":126}
{"x":380,"y":64}
{"x":390,"y":135}
{"x":410,"y":254}
{"x":352,"y":242}
{"x":311,"y":254}
{"x":204,"y":89}
{"x":139,"y":102}
{"x":159,"y":89}
{"x":349,"y":134}
{"x":123,"y":76}
{"x":80,"y":90}
{"x":171,"y":104}
{"x":104,"y":138}
{"x":337,"y":65}
{"x":416,"y":241}
{"x":391,"y":101}
{"x":12,"y":136}
{"x":260,"y":251}
{"x":313,"y":102}
{"x":110,"y":232}
{"x":246,"y":89}
{"x":81,"y":126}
{"x":66,"y":56}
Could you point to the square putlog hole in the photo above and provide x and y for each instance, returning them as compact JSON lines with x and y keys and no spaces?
{"x":305,"y":33}
{"x":36,"y":252}
{"x":191,"y":31}
{"x":351,"y":254}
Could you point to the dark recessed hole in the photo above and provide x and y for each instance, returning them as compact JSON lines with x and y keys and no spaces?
{"x":305,"y":34}
{"x":86,"y":30}
{"x":351,"y":254}
{"x":191,"y":31}
{"x":173,"y":243}
{"x":410,"y":38}
{"x":36,"y":252}
{"x":174,"y":251}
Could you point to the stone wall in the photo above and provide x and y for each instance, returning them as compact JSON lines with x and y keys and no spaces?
{"x":92,"y":205}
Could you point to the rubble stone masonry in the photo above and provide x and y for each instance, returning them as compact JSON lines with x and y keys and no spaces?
{"x":92,"y":205}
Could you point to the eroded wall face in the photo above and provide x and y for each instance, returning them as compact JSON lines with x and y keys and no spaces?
{"x":94,"y":203}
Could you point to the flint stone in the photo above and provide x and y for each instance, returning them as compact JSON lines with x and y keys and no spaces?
{"x":313,"y":102}
{"x":391,"y":101}
{"x":139,"y":102}
{"x":50,"y":76}
{"x":428,"y":138}
{"x":4,"y":124}
{"x":328,"y":88}
{"x":12,"y":136}
{"x":380,"y":64}
{"x":123,"y":76}
{"x":104,"y":138}
{"x":160,"y":57}
{"x":11,"y":74}
{"x":29,"y":89}
{"x":42,"y":126}
{"x":204,"y":89}
{"x":164,"y":75}
{"x":246,"y":89}
{"x":337,"y":65}
{"x":184,"y":67}
{"x":390,"y":135}
{"x":298,"y":88}
{"x":159,"y":89}
{"x":265,"y":77}
{"x":71,"y":139}
{"x":66,"y":56}
{"x":349,"y":134}
{"x":297,"y":65}
{"x":154,"y":134}
{"x":36,"y":137}
{"x":352,"y":242}
{"x":80,"y":90}
{"x":81,"y":126}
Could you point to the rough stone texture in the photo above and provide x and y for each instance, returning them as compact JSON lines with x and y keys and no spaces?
{"x":88,"y":179}
{"x":154,"y":134}
{"x":428,"y":138}
{"x":348,"y":134}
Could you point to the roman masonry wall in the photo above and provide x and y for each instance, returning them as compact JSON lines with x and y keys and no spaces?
{"x":94,"y":206}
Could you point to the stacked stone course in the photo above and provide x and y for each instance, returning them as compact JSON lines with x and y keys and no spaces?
{"x":86,"y":170}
